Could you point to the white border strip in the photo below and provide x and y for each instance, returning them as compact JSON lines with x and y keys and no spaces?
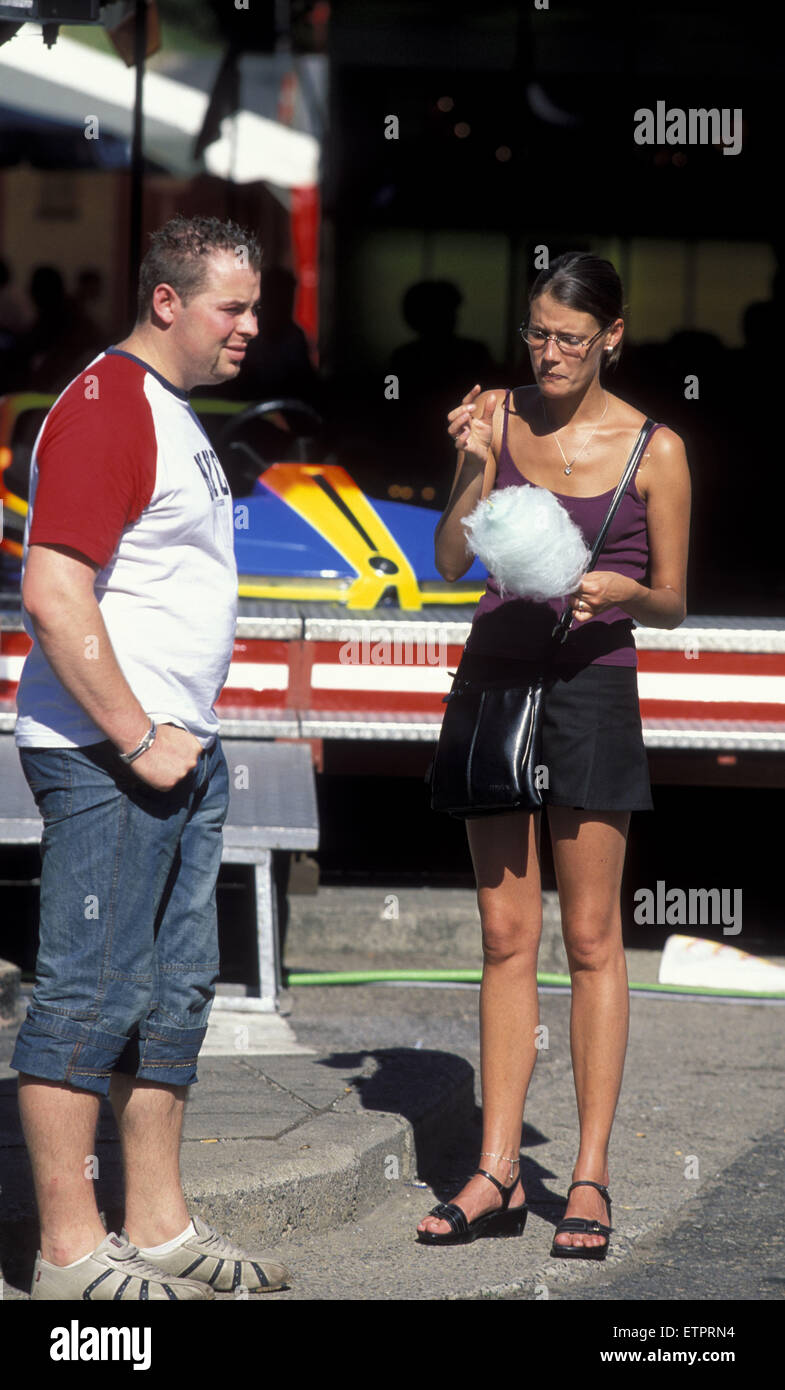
{"x":257,"y":675}
{"x":693,"y":687}
{"x":392,"y":677}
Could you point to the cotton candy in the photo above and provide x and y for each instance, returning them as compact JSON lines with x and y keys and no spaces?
{"x":528,"y":541}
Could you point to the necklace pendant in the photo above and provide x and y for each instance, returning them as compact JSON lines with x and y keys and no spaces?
{"x":568,"y":469}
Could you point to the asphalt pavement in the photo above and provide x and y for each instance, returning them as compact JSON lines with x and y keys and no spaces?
{"x":323,"y":1138}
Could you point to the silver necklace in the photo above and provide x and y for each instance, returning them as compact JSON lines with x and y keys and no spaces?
{"x":568,"y":467}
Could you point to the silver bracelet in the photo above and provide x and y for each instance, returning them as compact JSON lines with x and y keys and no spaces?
{"x":143,"y":746}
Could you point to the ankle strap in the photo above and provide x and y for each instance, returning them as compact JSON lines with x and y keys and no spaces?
{"x":587,"y":1182}
{"x":494,"y":1180}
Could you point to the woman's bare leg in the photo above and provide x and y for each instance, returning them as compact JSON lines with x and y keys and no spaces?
{"x":505,"y":853}
{"x":588,"y":854}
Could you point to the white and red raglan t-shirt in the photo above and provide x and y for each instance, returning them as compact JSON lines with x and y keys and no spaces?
{"x":123,"y":472}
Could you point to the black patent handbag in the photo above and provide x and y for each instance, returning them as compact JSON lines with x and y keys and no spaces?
{"x":488,"y":755}
{"x":488,"y":758}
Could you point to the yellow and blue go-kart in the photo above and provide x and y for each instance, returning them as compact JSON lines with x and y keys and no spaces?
{"x":304,"y":529}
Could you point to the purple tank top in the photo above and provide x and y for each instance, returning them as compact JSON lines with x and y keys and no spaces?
{"x":519,"y":627}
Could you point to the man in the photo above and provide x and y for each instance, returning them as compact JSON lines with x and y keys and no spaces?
{"x":130,"y":594}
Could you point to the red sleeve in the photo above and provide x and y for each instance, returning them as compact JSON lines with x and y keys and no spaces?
{"x":96,"y":461}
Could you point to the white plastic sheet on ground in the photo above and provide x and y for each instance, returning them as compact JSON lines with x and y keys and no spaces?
{"x":690,"y":960}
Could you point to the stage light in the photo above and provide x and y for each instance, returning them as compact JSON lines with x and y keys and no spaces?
{"x":51,"y":11}
{"x":48,"y":13}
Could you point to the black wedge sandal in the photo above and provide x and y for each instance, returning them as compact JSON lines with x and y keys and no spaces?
{"x":586,"y":1227}
{"x":504,"y":1221}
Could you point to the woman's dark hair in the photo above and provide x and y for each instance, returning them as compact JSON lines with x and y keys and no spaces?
{"x":588,"y":284}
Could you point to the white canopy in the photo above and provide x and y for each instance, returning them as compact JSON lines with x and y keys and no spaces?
{"x":71,"y":82}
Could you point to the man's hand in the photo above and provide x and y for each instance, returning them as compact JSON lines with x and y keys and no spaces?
{"x":172,"y":755}
{"x":59,"y":596}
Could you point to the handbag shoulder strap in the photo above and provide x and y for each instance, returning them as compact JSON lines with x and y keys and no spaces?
{"x":624,"y":482}
{"x":647,"y":428}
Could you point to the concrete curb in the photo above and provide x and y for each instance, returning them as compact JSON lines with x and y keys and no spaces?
{"x":323,"y":1170}
{"x":10,"y":979}
{"x":425,"y":927}
{"x":327,"y":1171}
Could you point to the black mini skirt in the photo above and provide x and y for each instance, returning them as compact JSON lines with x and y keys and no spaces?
{"x":592,"y":740}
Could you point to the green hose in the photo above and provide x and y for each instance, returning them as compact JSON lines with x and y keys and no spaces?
{"x":370,"y":977}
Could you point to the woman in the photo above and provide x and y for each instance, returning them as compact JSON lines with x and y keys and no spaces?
{"x":569,"y":434}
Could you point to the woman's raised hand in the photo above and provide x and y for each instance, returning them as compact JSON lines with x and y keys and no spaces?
{"x":472,"y":432}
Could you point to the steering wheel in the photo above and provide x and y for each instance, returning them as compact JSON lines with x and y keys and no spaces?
{"x":244,"y":460}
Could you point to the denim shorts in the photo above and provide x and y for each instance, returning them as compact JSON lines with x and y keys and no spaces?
{"x":128,"y":954}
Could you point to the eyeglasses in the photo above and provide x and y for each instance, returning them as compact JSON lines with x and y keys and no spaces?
{"x":567,"y":343}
